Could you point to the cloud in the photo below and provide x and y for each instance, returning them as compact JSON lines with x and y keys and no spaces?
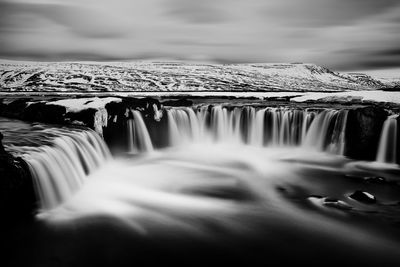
{"x":322,"y":13}
{"x":205,"y":11}
{"x":342,"y":34}
{"x":376,"y":58}
{"x":86,"y":22}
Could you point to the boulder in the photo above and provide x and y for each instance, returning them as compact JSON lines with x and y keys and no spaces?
{"x":367,"y":179}
{"x":375,"y":180}
{"x":363,"y":197}
{"x":328,"y":202}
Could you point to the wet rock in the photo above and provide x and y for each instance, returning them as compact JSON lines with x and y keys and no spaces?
{"x":17,"y":195}
{"x":29,"y":110}
{"x":363,"y":197}
{"x":368,"y":179}
{"x":353,"y":177}
{"x":13,"y":108}
{"x":182,"y":102}
{"x":316,"y":196}
{"x":363,"y":131}
{"x":2,"y":151}
{"x":335,"y":203}
{"x":85,"y":116}
{"x":96,"y":119}
{"x":115,"y":134}
{"x":375,"y":180}
{"x":328,"y":202}
{"x":398,"y":138}
{"x":145,"y":105}
{"x":44,"y":113}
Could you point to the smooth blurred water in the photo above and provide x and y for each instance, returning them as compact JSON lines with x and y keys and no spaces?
{"x":59,"y":158}
{"x":241,"y":201}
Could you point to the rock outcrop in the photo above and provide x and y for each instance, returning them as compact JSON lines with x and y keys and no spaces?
{"x":363,"y":132}
{"x":17,"y":195}
{"x":95,"y":117}
{"x":115,"y":134}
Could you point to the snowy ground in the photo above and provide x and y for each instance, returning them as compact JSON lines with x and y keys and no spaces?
{"x":18,"y":76}
{"x":339,"y":97}
{"x":362,"y":96}
{"x":78,"y":104}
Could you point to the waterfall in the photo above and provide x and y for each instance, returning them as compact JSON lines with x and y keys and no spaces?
{"x":322,"y":130}
{"x":257,"y":128}
{"x":138,"y":136}
{"x":318,"y":130}
{"x":337,"y":142}
{"x":61,"y":168}
{"x":387,"y":150}
{"x":327,"y":131}
{"x":184,"y":126}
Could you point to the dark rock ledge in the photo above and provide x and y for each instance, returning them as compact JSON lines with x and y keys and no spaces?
{"x":364,"y":123}
{"x":48,"y":111}
{"x":363,"y":131}
{"x":17,"y":195}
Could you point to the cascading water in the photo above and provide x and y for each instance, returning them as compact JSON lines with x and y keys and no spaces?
{"x":236,"y":178}
{"x":387,"y":150}
{"x":323,"y":130}
{"x":138,"y":136}
{"x":60,"y":169}
{"x":327,"y":131}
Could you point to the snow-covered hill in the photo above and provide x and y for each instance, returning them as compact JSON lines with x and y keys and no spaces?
{"x":391,"y":83}
{"x":176,"y":76}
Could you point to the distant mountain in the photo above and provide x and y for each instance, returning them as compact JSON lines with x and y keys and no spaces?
{"x":392,"y":84}
{"x":177,"y":76}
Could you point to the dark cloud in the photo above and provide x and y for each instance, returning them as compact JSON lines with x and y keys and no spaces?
{"x":321,"y":13}
{"x":48,"y":55}
{"x":378,"y":63}
{"x":368,"y":58}
{"x":393,"y":52}
{"x":203,"y":43}
{"x":237,"y":60}
{"x":77,"y":19}
{"x":75,"y":56}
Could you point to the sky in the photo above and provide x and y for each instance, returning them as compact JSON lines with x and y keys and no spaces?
{"x":343,"y":35}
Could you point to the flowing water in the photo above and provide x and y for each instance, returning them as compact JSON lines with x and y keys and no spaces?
{"x":60,"y":159}
{"x":261,"y":127}
{"x":387,"y":151}
{"x":247,"y":185}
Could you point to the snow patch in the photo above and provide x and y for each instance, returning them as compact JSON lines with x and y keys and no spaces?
{"x":79,"y":104}
{"x":363,"y":96}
